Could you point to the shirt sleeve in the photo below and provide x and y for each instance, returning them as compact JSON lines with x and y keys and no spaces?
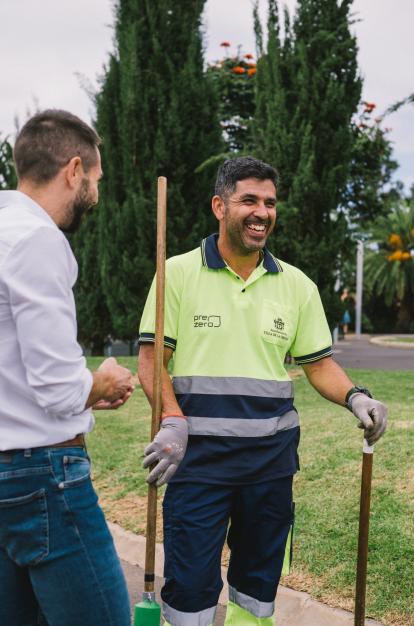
{"x":173,"y":288}
{"x":313,"y":340}
{"x":40,"y":272}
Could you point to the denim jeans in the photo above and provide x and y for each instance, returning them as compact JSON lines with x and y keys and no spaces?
{"x":58,"y":565}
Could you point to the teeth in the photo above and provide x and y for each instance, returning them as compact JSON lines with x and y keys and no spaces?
{"x":258,"y":227}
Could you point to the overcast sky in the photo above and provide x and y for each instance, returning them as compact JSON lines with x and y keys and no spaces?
{"x":46,"y":44}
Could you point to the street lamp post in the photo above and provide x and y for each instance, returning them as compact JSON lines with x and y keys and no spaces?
{"x":359,"y":286}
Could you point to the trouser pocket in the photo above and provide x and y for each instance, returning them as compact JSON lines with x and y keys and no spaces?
{"x":24,"y":529}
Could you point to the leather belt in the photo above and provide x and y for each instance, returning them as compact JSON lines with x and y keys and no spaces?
{"x":76,"y":442}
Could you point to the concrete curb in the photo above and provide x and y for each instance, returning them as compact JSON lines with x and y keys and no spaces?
{"x":293,"y":608}
{"x":387,"y":341}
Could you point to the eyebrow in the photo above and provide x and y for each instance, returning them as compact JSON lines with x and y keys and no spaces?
{"x":252,"y":196}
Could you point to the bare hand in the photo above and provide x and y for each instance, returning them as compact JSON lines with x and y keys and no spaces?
{"x":106,"y":405}
{"x":119,"y":386}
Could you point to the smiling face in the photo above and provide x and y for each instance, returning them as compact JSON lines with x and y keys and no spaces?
{"x":247,"y":216}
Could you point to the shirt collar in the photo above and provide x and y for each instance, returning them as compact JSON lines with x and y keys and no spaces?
{"x":8,"y":198}
{"x":212,"y":258}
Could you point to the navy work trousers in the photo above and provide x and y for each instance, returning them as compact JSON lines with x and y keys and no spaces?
{"x":197,"y":519}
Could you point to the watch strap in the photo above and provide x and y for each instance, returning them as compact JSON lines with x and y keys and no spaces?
{"x":353,"y":391}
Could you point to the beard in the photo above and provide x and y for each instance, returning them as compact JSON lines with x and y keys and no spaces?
{"x":79,"y":207}
{"x":239,"y":239}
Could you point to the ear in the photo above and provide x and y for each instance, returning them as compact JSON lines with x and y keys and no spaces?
{"x":218,"y":208}
{"x":74,"y":172}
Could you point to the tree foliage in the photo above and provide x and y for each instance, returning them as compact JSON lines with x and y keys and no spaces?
{"x":369,"y":189}
{"x":390,"y":268}
{"x":8,"y":178}
{"x":157,"y":113}
{"x":308,"y":89}
{"x":234,"y":79}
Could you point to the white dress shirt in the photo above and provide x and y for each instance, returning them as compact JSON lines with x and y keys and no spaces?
{"x":44,"y":382}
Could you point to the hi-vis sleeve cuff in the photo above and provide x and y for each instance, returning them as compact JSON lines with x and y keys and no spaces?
{"x":150,"y":338}
{"x":315,"y":356}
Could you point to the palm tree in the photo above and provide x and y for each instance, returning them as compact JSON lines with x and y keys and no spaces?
{"x":390,"y":268}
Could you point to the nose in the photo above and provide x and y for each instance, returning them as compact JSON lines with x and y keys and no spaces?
{"x":261,"y":211}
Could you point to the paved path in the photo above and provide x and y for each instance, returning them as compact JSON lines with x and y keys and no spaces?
{"x":293,"y":608}
{"x":362,"y":354}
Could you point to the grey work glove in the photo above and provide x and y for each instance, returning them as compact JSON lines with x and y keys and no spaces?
{"x":372,"y":416}
{"x":166,"y":450}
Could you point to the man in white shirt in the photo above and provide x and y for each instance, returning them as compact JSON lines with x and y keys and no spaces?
{"x":58,"y":565}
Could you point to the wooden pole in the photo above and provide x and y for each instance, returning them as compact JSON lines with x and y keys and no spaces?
{"x":149,"y":578}
{"x":364,"y":513}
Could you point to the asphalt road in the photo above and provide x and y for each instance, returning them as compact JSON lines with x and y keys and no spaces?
{"x":361,"y":354}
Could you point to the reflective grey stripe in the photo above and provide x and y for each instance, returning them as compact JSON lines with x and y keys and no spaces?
{"x":238,"y":386}
{"x":181,"y":618}
{"x":255,"y":607}
{"x":227,"y":427}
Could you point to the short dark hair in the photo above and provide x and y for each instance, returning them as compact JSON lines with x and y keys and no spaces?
{"x":49,"y":140}
{"x":240,"y":168}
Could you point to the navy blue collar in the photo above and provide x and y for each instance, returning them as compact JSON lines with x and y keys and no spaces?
{"x":212,"y":258}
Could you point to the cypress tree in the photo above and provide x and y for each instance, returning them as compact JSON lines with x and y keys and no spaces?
{"x":157,"y":114}
{"x":308,"y":89}
{"x":8,"y":178}
{"x":94,"y":322}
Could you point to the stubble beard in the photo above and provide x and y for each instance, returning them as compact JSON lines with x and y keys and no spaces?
{"x":79,"y":207}
{"x":235,"y":233}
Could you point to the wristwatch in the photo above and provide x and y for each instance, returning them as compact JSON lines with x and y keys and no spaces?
{"x":356,"y":390}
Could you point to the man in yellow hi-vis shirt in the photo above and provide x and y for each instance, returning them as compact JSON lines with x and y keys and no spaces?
{"x":230,"y":432}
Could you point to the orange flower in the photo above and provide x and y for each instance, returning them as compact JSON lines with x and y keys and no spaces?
{"x":395,"y":240}
{"x":369,"y":107}
{"x":238,"y":69}
{"x":248,"y":56}
{"x":251,"y":71}
{"x":225,"y":44}
{"x":406,"y":256}
{"x":395,"y":256}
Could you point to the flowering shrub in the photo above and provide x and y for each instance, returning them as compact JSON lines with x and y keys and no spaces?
{"x":234,"y":76}
{"x":395,"y":240}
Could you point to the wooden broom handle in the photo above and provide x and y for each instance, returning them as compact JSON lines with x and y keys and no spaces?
{"x":364,"y":511}
{"x":157,"y":380}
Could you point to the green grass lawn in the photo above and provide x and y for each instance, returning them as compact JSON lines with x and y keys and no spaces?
{"x":401,"y":339}
{"x":326,"y":492}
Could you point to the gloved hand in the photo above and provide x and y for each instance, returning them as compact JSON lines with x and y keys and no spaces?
{"x":167,"y":449}
{"x":372,"y":416}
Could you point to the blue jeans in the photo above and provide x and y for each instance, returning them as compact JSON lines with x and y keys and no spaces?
{"x":58,"y":565}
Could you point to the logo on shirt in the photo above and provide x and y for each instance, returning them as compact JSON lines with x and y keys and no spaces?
{"x":277,"y":331}
{"x":207,"y":321}
{"x":279,"y":323}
